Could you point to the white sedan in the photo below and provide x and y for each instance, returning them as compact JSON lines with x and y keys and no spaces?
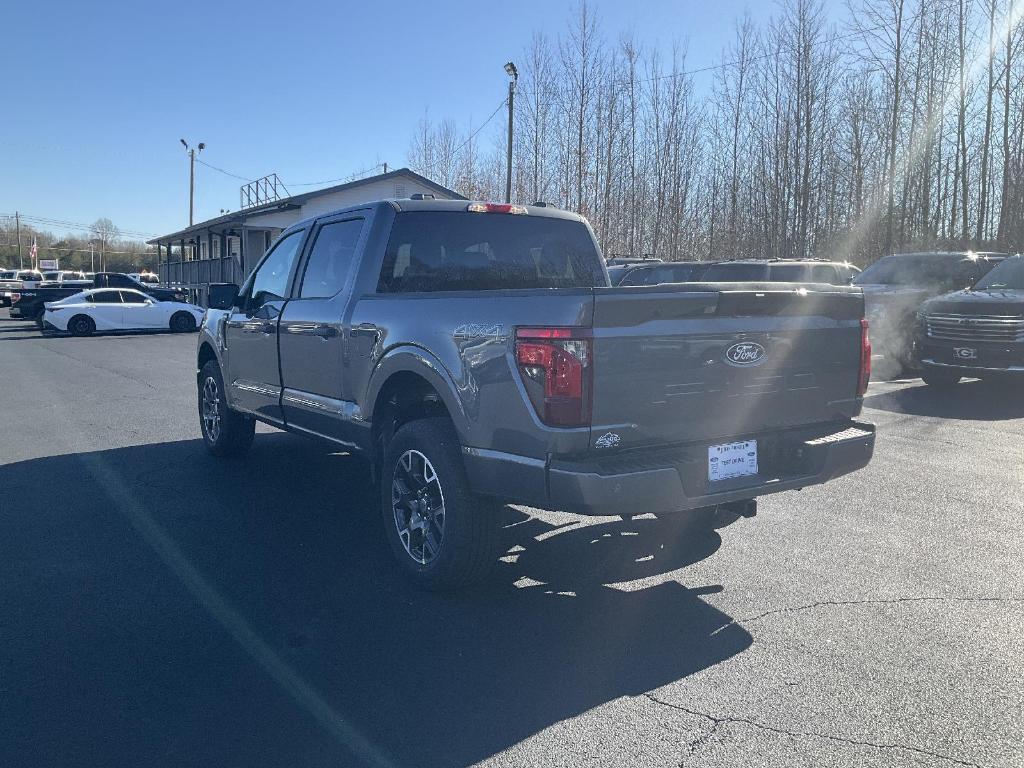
{"x":110,"y":309}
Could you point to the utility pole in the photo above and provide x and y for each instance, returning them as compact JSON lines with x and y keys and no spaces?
{"x":192,"y":175}
{"x":17,"y":226}
{"x":92,"y":256}
{"x":512,"y":72}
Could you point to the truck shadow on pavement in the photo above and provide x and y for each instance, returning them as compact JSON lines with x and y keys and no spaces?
{"x":165,"y":608}
{"x":969,"y":400}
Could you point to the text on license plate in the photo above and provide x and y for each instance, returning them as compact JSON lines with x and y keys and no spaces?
{"x":732,"y":460}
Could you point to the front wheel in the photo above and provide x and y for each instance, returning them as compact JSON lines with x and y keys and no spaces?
{"x":443,"y":536}
{"x":940,"y":379}
{"x":225,"y":432}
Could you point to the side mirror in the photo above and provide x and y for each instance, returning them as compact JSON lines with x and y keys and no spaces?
{"x":222,"y":296}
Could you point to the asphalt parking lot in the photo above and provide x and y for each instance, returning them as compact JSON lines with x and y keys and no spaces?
{"x":161,"y":608}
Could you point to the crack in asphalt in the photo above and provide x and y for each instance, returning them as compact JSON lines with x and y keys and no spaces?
{"x":718,"y":721}
{"x":866,"y":601}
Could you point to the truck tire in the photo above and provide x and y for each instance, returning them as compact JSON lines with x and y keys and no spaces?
{"x":225,"y":432}
{"x":81,"y":325}
{"x":940,"y":379}
{"x":443,"y":536}
{"x":183,"y":322}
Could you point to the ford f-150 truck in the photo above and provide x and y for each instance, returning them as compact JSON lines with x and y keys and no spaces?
{"x":475,"y":353}
{"x":28,"y":303}
{"x":977,"y":332}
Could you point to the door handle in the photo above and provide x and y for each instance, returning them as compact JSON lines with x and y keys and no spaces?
{"x":266,"y":329}
{"x":364,"y":329}
{"x":325,"y":331}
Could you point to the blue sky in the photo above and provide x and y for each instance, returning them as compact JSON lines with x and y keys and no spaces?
{"x":311,"y":91}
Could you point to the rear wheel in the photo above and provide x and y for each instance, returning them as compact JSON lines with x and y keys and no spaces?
{"x":183,"y":322}
{"x":81,"y":325}
{"x":443,"y":536}
{"x":225,"y":432}
{"x":940,"y":378}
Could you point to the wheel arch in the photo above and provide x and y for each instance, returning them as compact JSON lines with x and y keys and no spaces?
{"x":206,"y":354}
{"x":409,"y":384}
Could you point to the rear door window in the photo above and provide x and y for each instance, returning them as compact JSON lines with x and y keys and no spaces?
{"x":463,"y":251}
{"x":788,"y":273}
{"x":106,"y":297}
{"x":824,"y":273}
{"x":331,"y":258}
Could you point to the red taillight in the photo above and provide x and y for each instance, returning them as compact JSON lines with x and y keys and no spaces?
{"x":556,"y":368}
{"x":865,"y":359}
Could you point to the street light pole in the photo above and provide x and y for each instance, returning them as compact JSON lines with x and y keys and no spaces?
{"x":192,"y":175}
{"x":513,"y":73}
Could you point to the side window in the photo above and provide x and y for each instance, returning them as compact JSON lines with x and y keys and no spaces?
{"x":330,"y":260}
{"x":106,"y":297}
{"x":132,"y":297}
{"x":824,"y":273}
{"x":270,"y":282}
{"x":788,"y":273}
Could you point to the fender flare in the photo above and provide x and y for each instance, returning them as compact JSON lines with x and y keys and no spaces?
{"x":410,"y":358}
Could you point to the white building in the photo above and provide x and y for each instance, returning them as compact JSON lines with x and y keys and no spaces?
{"x":226,"y":249}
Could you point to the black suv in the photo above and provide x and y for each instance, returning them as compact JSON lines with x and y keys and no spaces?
{"x":895,"y":286}
{"x":977,"y":332}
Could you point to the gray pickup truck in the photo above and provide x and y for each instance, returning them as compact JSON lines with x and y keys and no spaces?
{"x":476,"y":354}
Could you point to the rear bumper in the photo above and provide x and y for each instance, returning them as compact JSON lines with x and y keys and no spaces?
{"x":671,"y":479}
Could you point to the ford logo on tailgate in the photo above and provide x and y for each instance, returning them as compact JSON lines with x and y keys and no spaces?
{"x":746,"y":353}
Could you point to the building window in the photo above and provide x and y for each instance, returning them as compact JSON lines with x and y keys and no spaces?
{"x":202,"y":250}
{"x":216,"y":247}
{"x":233,"y":247}
{"x":399,"y":190}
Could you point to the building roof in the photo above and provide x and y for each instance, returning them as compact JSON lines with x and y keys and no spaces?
{"x":295,"y":201}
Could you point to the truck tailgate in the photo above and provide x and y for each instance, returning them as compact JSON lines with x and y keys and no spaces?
{"x":705,"y":362}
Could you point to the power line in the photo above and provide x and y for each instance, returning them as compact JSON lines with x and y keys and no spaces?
{"x":473,"y":135}
{"x":350,"y":177}
{"x":72,"y":224}
{"x":221,"y":170}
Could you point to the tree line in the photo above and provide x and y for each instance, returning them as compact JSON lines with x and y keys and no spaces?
{"x":101,"y":248}
{"x":900,"y":128}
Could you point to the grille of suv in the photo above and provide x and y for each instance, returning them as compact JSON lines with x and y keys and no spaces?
{"x":1006,"y":328}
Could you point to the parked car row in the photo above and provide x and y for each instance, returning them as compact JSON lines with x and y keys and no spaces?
{"x":83,"y":303}
{"x":28,"y":303}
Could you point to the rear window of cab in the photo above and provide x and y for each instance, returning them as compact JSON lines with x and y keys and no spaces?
{"x":463,"y":251}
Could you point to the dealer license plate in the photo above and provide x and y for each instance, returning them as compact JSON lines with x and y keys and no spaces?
{"x":732,"y":460}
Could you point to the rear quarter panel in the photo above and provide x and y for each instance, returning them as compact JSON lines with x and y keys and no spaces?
{"x":466,"y":340}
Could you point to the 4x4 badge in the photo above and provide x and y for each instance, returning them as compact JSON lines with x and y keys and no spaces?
{"x":607,"y":440}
